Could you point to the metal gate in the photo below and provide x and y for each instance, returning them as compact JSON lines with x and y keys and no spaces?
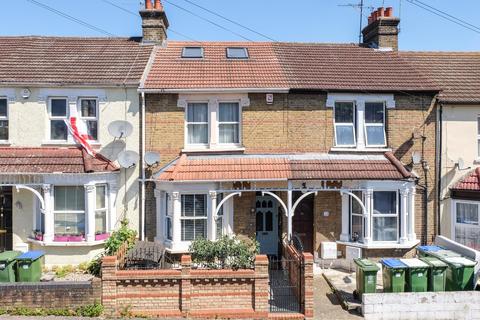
{"x":285,"y":285}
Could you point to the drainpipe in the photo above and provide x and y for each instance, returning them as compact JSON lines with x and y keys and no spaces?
{"x":142,"y":173}
{"x":439,"y":167}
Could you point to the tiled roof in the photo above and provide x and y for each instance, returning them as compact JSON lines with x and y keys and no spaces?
{"x":456,"y":73}
{"x":72,"y":61}
{"x":276,"y":65}
{"x":471,"y":182}
{"x":284,"y":167}
{"x":51,"y":160}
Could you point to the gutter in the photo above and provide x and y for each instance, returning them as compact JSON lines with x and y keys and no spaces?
{"x":216,"y":90}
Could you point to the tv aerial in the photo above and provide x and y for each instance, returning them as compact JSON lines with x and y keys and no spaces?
{"x":120,"y":129}
{"x":128,"y":159}
{"x":151,"y":158}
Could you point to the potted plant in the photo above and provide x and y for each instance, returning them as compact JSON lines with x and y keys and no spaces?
{"x":38,"y":235}
{"x":99,"y":235}
{"x":60,"y":238}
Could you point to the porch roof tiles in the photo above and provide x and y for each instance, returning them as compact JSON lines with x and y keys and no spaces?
{"x":284,"y":167}
{"x":51,"y":160}
{"x":471,"y":182}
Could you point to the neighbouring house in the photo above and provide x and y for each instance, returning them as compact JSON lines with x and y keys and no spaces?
{"x":54,"y":195}
{"x":278,"y":141}
{"x":458,"y":75}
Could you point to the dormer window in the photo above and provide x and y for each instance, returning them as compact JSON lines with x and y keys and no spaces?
{"x":192,"y":52}
{"x":237,"y":53}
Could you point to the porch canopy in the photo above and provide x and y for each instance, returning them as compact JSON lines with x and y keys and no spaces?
{"x":309,"y":173}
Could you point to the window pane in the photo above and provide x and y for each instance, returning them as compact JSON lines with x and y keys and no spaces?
{"x":59,"y":107}
{"x":259,"y":221}
{"x":228,"y":133}
{"x":357,"y":227}
{"x":3,"y":107}
{"x":219,"y":226}
{"x":478,"y":125}
{"x":69,"y":223}
{"x":200,"y":205}
{"x":375,"y":135}
{"x":468,"y":236}
{"x":344,"y":112}
{"x":198,"y":133}
{"x":88,"y":107}
{"x":197,"y":112}
{"x":169,"y":228}
{"x":101,"y":222}
{"x":374,"y":112}
{"x":269,"y":221}
{"x":188,"y":231}
{"x":385,"y":228}
{"x":344,"y":134}
{"x":58,"y":130}
{"x":92,"y":129}
{"x":100,"y":196}
{"x":467,"y":213}
{"x":187,"y":205}
{"x":192,"y":52}
{"x":3,"y":129}
{"x":384,"y":202}
{"x":200,"y":228}
{"x":237,"y":53}
{"x":219,"y":199}
{"x":69,"y":198}
{"x":479,"y":148}
{"x":356,"y":208}
{"x":228,"y":112}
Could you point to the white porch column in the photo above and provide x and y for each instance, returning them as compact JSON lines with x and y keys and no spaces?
{"x":368,"y":218}
{"x":49,"y":221}
{"x":403,"y":215}
{"x":112,"y":201}
{"x":160,"y":214}
{"x":90,"y":197}
{"x":177,"y":212}
{"x":411,"y":214}
{"x":345,"y":235}
{"x":211,"y":216}
{"x":289,"y":213}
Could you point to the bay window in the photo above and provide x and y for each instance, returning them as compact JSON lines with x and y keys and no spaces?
{"x":375,"y":124}
{"x":58,"y":112}
{"x":356,"y":218}
{"x":385,"y":216}
{"x":3,"y":119}
{"x":197,"y":123}
{"x":168,"y":217}
{"x":101,"y":209}
{"x":467,"y":227}
{"x":89,"y":114}
{"x":69,"y":210}
{"x":193,"y":216}
{"x":345,"y":124}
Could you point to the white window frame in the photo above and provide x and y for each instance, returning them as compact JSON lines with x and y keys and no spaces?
{"x":383,"y":125}
{"x":397,"y":215}
{"x":187,"y":143}
{"x":106,"y":208}
{"x":478,"y":136}
{"x":85,"y":119}
{"x":5,"y":118}
{"x":464,"y":225}
{"x":184,"y":218}
{"x":335,"y":124}
{"x":239,"y":123}
{"x":361,"y":215}
{"x":52,"y":118}
{"x":168,"y":216}
{"x":84,"y":211}
{"x":202,"y":52}
{"x":245,"y":50}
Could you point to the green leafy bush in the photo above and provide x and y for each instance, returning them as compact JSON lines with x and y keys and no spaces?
{"x":91,"y":310}
{"x":225,"y":253}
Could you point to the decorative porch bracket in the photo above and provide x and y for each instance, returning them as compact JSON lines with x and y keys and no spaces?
{"x":284,"y":206}
{"x":35,"y":192}
{"x":294,"y":207}
{"x":364,"y":209}
{"x":219,"y":206}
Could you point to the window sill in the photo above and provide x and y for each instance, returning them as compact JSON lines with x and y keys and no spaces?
{"x":5,"y":143}
{"x":66,"y":244}
{"x":381,"y":245}
{"x":354,"y":149}
{"x":215,"y":149}
{"x":67,"y":143}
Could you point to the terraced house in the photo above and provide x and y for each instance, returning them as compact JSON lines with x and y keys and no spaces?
{"x":292,"y":141}
{"x":54,"y":195}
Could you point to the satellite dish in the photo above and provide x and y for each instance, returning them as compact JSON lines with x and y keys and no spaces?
{"x":128,"y":159}
{"x":120,"y":129}
{"x":416,"y":157}
{"x":461,"y":164}
{"x":151,"y":158}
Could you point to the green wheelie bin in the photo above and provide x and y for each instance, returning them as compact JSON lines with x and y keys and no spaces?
{"x":366,"y":276}
{"x":416,"y":277}
{"x":460,"y":274}
{"x":29,"y":266}
{"x":7,"y":265}
{"x":425,"y":251}
{"x":393,"y":275}
{"x":437,"y":275}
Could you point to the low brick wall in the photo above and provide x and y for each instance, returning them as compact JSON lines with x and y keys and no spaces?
{"x":186,"y":291}
{"x":50,"y":295}
{"x":422,"y":305}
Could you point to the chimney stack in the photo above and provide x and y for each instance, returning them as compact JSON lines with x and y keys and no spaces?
{"x":382,"y":29}
{"x":154,"y":22}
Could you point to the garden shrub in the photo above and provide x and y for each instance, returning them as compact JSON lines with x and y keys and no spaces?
{"x":91,"y":310}
{"x":225,"y":253}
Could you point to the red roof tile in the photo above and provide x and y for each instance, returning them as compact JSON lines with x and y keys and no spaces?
{"x":275,"y":65}
{"x":72,"y":61}
{"x":283,"y":167}
{"x":51,"y":160}
{"x":456,"y":73}
{"x":471,"y":182}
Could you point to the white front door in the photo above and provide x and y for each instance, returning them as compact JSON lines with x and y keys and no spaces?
{"x":267,"y":224}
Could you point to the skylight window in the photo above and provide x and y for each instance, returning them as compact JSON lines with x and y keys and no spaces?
{"x":192,"y":52}
{"x":237,"y":53}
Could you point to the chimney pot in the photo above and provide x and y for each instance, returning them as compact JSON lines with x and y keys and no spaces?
{"x":370,"y":19}
{"x":389,"y":12}
{"x":148,"y":4}
{"x":375,"y":15}
{"x":380,"y":12}
{"x":158,"y":5}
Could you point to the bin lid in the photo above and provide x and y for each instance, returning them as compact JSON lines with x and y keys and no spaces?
{"x":366,"y":264}
{"x":446,"y":253}
{"x":434,"y":262}
{"x":393,"y":263}
{"x":8,"y":256}
{"x":460,"y":261}
{"x":31,"y":255}
{"x":414,"y":263}
{"x":429,"y":248}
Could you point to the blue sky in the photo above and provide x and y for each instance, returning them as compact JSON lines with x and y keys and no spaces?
{"x":300,"y":20}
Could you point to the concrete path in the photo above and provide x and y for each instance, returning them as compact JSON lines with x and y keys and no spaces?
{"x":326,"y":304}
